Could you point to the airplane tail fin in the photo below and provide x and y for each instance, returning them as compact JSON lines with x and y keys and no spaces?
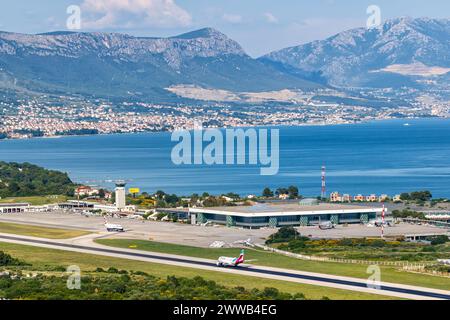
{"x":241,"y":258}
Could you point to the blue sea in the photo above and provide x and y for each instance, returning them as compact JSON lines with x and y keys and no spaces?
{"x":383,"y":157}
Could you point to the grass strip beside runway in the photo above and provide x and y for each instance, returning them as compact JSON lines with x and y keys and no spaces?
{"x":40,"y":232}
{"x":42,"y":258}
{"x":257,"y":257}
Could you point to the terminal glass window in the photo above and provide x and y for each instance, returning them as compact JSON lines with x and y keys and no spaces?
{"x":216,"y":217}
{"x":286,"y":219}
{"x":350,"y":217}
{"x":253,"y":220}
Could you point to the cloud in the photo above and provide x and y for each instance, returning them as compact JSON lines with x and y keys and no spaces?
{"x":232,"y":18}
{"x":270,"y":17}
{"x":101,"y":14}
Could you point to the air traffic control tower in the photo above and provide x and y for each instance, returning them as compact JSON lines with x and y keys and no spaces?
{"x":120,"y":195}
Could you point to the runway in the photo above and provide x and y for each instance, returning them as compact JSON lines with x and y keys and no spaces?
{"x":347,"y":283}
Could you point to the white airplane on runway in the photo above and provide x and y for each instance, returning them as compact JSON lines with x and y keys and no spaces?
{"x":231,"y":262}
{"x":110,"y":227}
{"x":114,"y":227}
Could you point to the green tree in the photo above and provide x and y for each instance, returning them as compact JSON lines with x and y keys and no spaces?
{"x":7,"y":260}
{"x":293,"y":192}
{"x":24,"y":179}
{"x":408,"y":214}
{"x":171,"y":199}
{"x":441,"y":239}
{"x":417,"y":196}
{"x":160,"y":195}
{"x":101,"y":193}
{"x":421,"y":195}
{"x":281,"y":191}
{"x":285,"y":234}
{"x":267,"y":193}
{"x":405,"y":196}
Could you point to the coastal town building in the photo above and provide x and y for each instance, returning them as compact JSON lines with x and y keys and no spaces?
{"x":84,"y":191}
{"x":346,"y":198}
{"x":337,"y":197}
{"x":283,"y":196}
{"x":227,"y":199}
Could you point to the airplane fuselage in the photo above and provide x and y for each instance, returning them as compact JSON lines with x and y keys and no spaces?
{"x":230,"y":262}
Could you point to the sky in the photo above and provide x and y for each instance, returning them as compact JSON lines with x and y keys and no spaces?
{"x":260,"y":26}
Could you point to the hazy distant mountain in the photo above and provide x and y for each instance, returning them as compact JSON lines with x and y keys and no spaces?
{"x":402,"y":52}
{"x":118,"y":65}
{"x":397,"y":53}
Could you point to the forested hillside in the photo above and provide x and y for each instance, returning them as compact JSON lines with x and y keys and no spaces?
{"x":25,"y":179}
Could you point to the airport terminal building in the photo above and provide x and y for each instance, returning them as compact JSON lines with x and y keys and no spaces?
{"x":279,"y":215}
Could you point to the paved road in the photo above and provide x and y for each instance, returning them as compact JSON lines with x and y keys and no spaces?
{"x":347,"y":283}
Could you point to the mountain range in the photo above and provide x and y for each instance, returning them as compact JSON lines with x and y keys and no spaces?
{"x":111,"y":64}
{"x":392,"y":55}
{"x":399,"y":53}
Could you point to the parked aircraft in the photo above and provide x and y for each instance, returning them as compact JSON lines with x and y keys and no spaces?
{"x":326,"y":225}
{"x":114,"y":227}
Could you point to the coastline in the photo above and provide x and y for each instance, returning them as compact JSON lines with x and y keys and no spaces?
{"x":223,"y":128}
{"x":381,"y":157}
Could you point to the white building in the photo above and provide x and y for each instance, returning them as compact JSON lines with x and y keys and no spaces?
{"x":279,"y":215}
{"x":14,"y":207}
{"x":86,"y":191}
{"x":335,"y":197}
{"x":120,"y":195}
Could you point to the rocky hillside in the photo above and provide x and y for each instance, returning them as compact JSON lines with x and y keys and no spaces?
{"x":118,"y":65}
{"x":396,"y":54}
